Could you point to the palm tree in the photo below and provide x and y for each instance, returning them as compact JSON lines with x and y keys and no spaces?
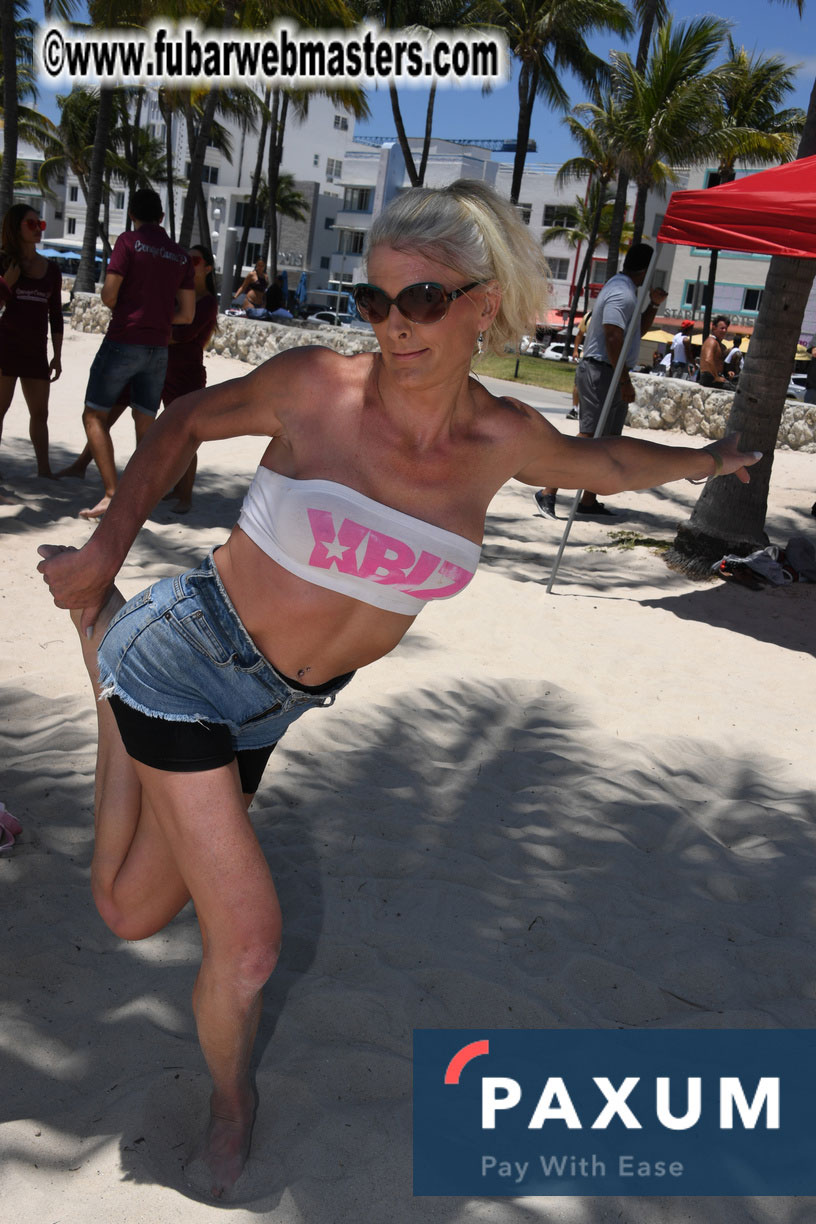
{"x":420,"y":17}
{"x":71,"y":145}
{"x":650,"y":13}
{"x":19,"y":87}
{"x":751,"y":89}
{"x":669,"y":113}
{"x":730,"y":516}
{"x":588,"y":220}
{"x":289,"y":202}
{"x":547,"y":36}
{"x":351,"y":100}
{"x":599,"y":165}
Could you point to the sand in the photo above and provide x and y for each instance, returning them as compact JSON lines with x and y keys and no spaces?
{"x":591,"y":808}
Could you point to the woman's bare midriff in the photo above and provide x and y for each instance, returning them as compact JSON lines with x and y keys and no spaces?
{"x":307,"y":632}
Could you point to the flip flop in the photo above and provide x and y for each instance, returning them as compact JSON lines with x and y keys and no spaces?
{"x":10,"y":828}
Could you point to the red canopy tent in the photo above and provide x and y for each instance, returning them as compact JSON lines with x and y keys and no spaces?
{"x":769,"y":213}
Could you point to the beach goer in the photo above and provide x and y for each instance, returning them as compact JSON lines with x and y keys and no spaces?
{"x":612,"y":313}
{"x":681,"y":351}
{"x":31,"y":295}
{"x":148,"y":287}
{"x":185,"y":357}
{"x":369,"y":501}
{"x":711,"y":354}
{"x":810,"y":377}
{"x":252,"y":293}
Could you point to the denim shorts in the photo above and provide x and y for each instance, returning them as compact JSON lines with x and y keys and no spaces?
{"x":178,"y":654}
{"x":115,"y":365}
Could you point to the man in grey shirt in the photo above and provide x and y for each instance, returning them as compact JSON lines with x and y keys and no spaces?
{"x":614,"y":307}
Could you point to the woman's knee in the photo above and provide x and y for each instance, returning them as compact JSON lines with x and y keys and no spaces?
{"x":129,"y":926}
{"x":246,"y":961}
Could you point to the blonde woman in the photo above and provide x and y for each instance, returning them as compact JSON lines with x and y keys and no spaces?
{"x":369,"y":501}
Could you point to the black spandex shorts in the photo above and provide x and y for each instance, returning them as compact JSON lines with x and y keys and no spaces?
{"x":185,"y":747}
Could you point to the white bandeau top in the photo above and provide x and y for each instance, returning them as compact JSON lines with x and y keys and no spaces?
{"x":340,"y":539}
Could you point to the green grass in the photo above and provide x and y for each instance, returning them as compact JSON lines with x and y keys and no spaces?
{"x":555,"y":375}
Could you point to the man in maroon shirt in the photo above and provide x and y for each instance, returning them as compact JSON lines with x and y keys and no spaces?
{"x":148,"y":287}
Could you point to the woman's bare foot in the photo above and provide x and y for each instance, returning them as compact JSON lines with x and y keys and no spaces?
{"x":73,"y":471}
{"x":224,"y":1149}
{"x":95,"y":512}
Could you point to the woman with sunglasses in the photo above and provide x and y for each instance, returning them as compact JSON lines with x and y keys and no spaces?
{"x":369,"y":501}
{"x":31,"y":292}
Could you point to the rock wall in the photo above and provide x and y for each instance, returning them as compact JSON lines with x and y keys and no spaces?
{"x":247,"y":340}
{"x":674,"y":403}
{"x":661,"y":403}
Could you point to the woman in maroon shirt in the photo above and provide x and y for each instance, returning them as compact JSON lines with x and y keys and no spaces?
{"x":31,"y":292}
{"x":185,"y":356}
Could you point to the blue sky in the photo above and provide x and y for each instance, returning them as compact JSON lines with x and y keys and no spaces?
{"x":759,"y":25}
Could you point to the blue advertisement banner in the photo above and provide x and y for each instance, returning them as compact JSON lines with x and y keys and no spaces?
{"x":610,"y":1112}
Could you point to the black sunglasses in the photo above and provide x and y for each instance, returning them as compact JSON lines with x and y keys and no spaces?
{"x":425,"y":303}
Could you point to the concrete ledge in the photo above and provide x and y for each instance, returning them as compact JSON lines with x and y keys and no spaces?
{"x":674,"y":403}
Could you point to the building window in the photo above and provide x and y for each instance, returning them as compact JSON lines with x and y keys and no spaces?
{"x":73,"y":194}
{"x":316,"y":159}
{"x":119,"y":199}
{"x":253,"y":253}
{"x":242,"y":213}
{"x":751,"y":299}
{"x":341,"y":123}
{"x":525,"y":211}
{"x":334,"y":169}
{"x":58,"y":215}
{"x":559,"y":268}
{"x":351,"y":242}
{"x":328,"y":223}
{"x":557,"y":215}
{"x":325,"y":262}
{"x":209,"y":174}
{"x":598,"y":274}
{"x":72,"y":225}
{"x":357,"y":199}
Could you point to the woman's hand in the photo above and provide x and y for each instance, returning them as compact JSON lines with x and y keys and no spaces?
{"x":730,"y":459}
{"x":55,"y":366}
{"x":12,"y":274}
{"x":74,"y":581}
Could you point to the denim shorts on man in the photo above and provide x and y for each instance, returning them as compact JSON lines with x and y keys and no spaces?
{"x":116,"y":365}
{"x":179,"y":654}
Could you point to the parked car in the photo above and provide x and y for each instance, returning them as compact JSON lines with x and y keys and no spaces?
{"x":555,"y":352}
{"x":531,"y":347}
{"x":796,"y":387}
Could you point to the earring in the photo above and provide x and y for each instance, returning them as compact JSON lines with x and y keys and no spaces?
{"x":480,"y":343}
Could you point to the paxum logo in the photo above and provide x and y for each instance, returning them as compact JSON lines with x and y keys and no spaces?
{"x":675,"y":1104}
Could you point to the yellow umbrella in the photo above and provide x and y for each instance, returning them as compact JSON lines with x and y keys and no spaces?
{"x":658,"y":337}
{"x":746,"y":340}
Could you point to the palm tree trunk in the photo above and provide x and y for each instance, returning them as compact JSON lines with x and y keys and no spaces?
{"x":198,"y":151}
{"x":256,"y":182}
{"x":272,"y":179}
{"x":729,"y":516}
{"x":616,"y":228}
{"x":639,"y":219}
{"x":583,"y":276}
{"x":407,"y":156}
{"x":9,"y":107}
{"x":168,"y":146}
{"x":204,"y":235}
{"x":85,"y":278}
{"x":426,"y":143}
{"x":528,"y":82}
